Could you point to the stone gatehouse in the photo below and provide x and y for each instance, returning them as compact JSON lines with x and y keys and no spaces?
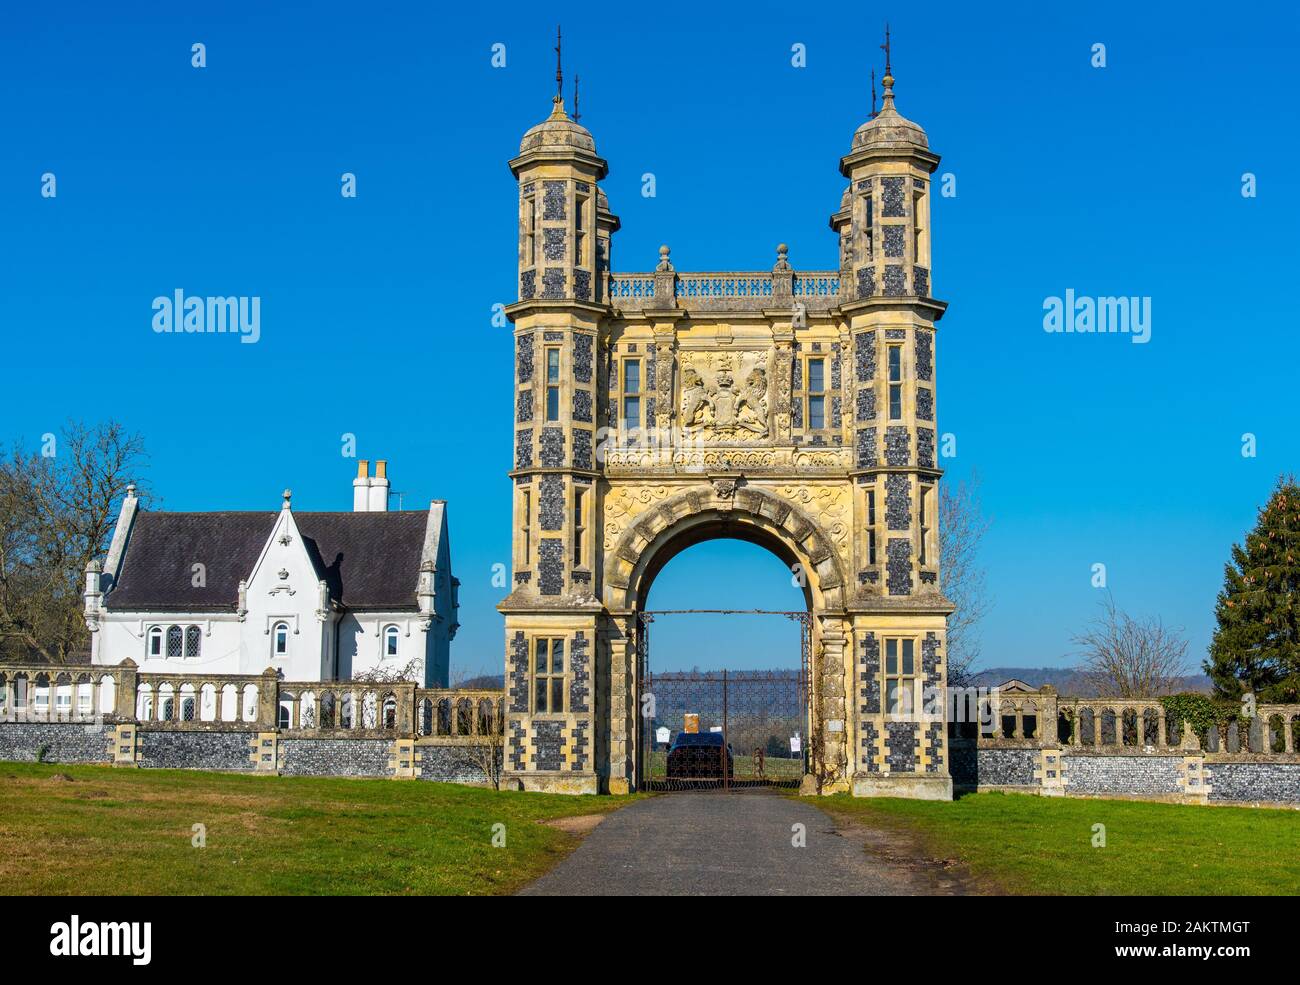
{"x":791,"y":408}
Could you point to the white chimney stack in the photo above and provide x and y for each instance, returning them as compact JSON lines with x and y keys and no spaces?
{"x":370,"y":492}
{"x":379,"y":488}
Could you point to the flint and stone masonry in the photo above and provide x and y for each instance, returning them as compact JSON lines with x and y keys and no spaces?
{"x":779,"y":406}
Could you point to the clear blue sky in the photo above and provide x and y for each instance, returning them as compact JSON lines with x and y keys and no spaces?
{"x":376,"y":311}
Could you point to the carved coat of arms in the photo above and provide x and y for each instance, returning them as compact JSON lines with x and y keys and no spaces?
{"x":725,"y":395}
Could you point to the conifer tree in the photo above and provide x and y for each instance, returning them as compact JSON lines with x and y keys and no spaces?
{"x":1256,"y":646}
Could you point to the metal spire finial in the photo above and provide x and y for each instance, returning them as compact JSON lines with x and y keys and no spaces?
{"x":873,"y":94}
{"x":576,"y":115}
{"x":559,"y":73}
{"x":885,"y":48}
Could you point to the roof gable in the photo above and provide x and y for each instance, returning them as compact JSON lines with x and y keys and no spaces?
{"x":368,"y":560}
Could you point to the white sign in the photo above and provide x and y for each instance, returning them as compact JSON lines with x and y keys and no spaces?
{"x":835,"y":725}
{"x":662,"y":735}
{"x":795,"y":743}
{"x":716,"y":728}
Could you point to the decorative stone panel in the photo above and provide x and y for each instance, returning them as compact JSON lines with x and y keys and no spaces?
{"x":582,"y":406}
{"x":898,"y":501}
{"x":866,"y":448}
{"x":866,"y":282}
{"x":866,"y":403}
{"x":898,"y":566}
{"x":580,"y":668}
{"x":934,"y":743}
{"x":580,"y":747}
{"x":518,"y":744}
{"x":60,"y":742}
{"x":925,"y":447}
{"x":902,"y":746}
{"x":517,"y":674}
{"x":550,"y":565}
{"x":924,"y":355}
{"x":1118,"y":774}
{"x":897,"y":445}
{"x":895,"y":281}
{"x":1254,"y":782}
{"x":523,"y":358}
{"x":582,"y":451}
{"x":335,"y":757}
{"x":552,"y":448}
{"x":194,"y":750}
{"x":921,"y":282}
{"x":864,"y":356}
{"x":527,"y":285}
{"x":548,"y":745}
{"x":524,"y":406}
{"x":554,"y":198}
{"x":869,"y":675}
{"x":870,"y":736}
{"x":524,"y":448}
{"x":550,"y":507}
{"x":553,"y":283}
{"x":582,"y":357}
{"x":1007,"y":767}
{"x":895,"y":241}
{"x":893,"y":198}
{"x":925,"y":403}
{"x":930,"y":657}
{"x":582,"y":284}
{"x":553,"y":244}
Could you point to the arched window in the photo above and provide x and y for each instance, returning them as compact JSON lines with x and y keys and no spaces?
{"x":390,"y":641}
{"x":192,"y":639}
{"x":280,"y":640}
{"x":155,"y":641}
{"x":174,"y":641}
{"x":166,"y":702}
{"x":187,"y":703}
{"x":285,"y":717}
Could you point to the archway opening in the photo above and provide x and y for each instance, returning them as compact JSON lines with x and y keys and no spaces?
{"x":725,"y":624}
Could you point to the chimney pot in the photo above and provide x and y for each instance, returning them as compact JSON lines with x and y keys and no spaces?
{"x":381,"y":468}
{"x":363,"y":468}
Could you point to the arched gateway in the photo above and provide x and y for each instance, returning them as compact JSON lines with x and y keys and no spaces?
{"x":792,"y":409}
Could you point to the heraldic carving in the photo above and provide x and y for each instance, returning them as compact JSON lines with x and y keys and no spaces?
{"x":725,"y":395}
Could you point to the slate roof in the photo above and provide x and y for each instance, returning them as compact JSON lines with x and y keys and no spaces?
{"x":369,"y":560}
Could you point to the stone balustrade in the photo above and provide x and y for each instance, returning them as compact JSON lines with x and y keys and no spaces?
{"x":725,"y":290}
{"x":1044,"y":719}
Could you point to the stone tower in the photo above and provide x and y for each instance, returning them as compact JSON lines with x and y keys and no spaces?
{"x":793,"y":409}
{"x":551,"y":616}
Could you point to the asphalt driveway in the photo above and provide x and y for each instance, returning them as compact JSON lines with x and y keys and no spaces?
{"x":711,"y":844}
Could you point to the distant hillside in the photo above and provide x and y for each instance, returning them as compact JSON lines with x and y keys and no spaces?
{"x":1065,"y":680}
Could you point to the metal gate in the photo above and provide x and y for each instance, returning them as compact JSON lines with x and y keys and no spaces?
{"x":722,"y":730}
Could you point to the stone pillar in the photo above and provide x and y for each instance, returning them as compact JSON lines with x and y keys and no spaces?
{"x":128,"y":680}
{"x":268,"y":701}
{"x":623,"y":723}
{"x":830,"y":703}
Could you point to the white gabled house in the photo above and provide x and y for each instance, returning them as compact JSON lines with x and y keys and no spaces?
{"x":316,"y":596}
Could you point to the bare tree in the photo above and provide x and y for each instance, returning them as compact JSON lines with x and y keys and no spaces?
{"x":58,"y":509}
{"x":962,"y":526}
{"x":413,"y":672}
{"x":1123,"y":657}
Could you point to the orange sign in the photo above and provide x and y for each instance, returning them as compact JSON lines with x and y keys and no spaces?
{"x":691,"y":723}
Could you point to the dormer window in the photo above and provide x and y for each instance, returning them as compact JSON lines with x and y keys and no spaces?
{"x":280,"y":640}
{"x":175,"y":641}
{"x":155,"y":641}
{"x":390,"y":641}
{"x":193,"y":639}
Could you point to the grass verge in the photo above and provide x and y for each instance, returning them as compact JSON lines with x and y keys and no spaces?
{"x":1045,"y":845}
{"x":97,"y":830}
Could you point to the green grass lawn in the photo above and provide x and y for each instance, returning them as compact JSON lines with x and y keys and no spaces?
{"x":1043,"y":845}
{"x":127,"y":831}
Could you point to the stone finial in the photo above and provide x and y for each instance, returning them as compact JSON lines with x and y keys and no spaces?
{"x":1190,"y":742}
{"x":664,"y":262}
{"x":130,"y":490}
{"x":782,"y":257}
{"x":288,"y":494}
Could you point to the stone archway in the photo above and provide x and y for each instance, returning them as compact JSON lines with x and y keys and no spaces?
{"x":729,"y":507}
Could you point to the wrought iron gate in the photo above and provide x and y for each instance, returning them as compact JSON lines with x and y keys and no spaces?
{"x":722,"y":730}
